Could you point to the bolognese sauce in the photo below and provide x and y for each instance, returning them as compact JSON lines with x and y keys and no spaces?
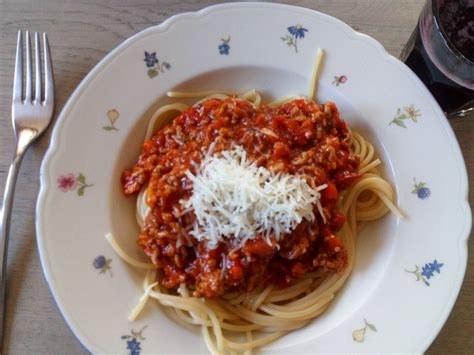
{"x":300,"y":138}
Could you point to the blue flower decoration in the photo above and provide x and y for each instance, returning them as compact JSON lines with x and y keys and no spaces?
{"x":224,"y":46}
{"x":103,"y":264}
{"x":424,"y":193}
{"x":154,"y":66}
{"x":134,"y":346}
{"x":436,"y":267}
{"x":421,"y":190}
{"x":100,"y":262}
{"x":427,"y":271}
{"x":297,"y":31}
{"x":132,"y":343}
{"x":150,"y":59}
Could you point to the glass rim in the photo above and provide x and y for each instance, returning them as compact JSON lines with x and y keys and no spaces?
{"x":449,"y":43}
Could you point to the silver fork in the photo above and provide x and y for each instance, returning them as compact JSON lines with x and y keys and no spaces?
{"x":31,"y":116}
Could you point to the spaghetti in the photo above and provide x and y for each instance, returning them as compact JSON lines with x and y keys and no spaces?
{"x":242,"y":308}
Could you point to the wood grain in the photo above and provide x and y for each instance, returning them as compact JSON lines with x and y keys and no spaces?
{"x":81,"y":33}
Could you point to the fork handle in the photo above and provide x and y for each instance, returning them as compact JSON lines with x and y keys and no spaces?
{"x":4,"y":232}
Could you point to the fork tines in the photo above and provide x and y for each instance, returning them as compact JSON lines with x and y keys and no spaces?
{"x":18,"y":79}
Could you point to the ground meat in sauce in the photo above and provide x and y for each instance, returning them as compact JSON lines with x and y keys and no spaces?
{"x":300,"y":137}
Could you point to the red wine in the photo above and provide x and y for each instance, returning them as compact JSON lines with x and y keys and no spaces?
{"x":457,"y":23}
{"x":440,"y":51}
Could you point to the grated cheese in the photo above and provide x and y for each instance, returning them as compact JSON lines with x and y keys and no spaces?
{"x":234,"y":198}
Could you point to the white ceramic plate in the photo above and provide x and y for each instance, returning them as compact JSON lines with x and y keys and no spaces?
{"x":408,"y":272}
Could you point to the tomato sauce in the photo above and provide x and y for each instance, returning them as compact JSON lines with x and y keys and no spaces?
{"x":299,"y":137}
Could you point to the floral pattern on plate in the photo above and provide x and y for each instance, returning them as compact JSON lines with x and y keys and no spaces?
{"x":342,"y":79}
{"x":426,"y":272}
{"x":103,"y":264}
{"x":112,"y":115}
{"x":173,"y":40}
{"x":420,"y":189}
{"x":224,"y":46}
{"x":134,"y":340}
{"x":154,"y":66}
{"x":70,"y":182}
{"x":294,"y":33}
{"x":358,"y":335}
{"x":408,"y":112}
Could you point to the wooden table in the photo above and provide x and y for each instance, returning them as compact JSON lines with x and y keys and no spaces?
{"x":81,"y":33}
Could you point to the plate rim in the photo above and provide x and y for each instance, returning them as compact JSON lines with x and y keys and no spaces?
{"x":52,"y":150}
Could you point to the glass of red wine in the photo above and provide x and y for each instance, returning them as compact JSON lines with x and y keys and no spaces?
{"x":441,"y":52}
